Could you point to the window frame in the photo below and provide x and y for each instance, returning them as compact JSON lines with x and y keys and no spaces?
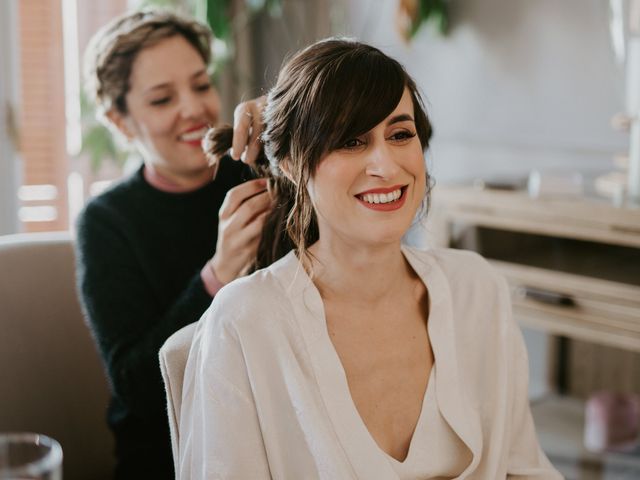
{"x":9,"y":130}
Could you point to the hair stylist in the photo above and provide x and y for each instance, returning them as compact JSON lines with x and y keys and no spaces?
{"x":153,"y":250}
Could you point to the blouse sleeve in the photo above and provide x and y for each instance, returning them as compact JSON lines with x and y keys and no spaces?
{"x":526,"y":459}
{"x":220,"y":432}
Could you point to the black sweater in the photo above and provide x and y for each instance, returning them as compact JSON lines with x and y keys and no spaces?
{"x":140,"y":252}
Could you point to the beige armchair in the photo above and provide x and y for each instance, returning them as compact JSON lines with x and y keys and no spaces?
{"x":173,"y":361}
{"x":51,"y":378}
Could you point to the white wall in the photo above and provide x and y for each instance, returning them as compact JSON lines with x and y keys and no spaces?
{"x":517,"y":84}
{"x":8,"y":94}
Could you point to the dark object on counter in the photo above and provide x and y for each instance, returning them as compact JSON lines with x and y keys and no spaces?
{"x":501,"y":183}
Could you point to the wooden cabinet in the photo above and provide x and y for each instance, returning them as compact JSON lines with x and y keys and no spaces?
{"x":573,"y":264}
{"x":574,"y":270}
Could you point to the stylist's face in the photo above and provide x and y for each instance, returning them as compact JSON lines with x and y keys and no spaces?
{"x":170,"y":103}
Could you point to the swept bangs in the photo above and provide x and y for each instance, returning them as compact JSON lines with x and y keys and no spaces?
{"x":358,"y":93}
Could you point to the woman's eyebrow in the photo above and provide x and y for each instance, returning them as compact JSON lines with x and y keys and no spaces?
{"x":198,"y":73}
{"x":158,"y":86}
{"x":168,"y":84}
{"x":400,"y":118}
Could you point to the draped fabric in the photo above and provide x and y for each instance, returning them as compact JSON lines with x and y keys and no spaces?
{"x":265,"y":394}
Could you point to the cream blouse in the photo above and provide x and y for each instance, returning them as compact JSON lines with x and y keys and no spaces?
{"x":265,"y":395}
{"x":436,"y":451}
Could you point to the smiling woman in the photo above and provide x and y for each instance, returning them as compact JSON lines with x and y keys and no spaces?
{"x":383,"y":170}
{"x":370,"y":359}
{"x":169,"y":110}
{"x":154,"y":249}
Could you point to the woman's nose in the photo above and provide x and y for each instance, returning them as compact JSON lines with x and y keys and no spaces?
{"x":382,"y":162}
{"x":191,"y":106}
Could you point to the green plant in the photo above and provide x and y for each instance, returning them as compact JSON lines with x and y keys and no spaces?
{"x":435,"y":12}
{"x":413,"y":14}
{"x":98,"y":143}
{"x":217,"y":13}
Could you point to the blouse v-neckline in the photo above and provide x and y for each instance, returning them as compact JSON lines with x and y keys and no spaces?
{"x":364,"y":455}
{"x":428,"y":401}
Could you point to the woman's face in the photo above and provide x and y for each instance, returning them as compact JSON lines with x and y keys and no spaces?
{"x":368,"y":191}
{"x":170,"y":104}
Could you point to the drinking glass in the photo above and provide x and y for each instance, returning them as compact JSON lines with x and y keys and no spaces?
{"x":29,"y":456}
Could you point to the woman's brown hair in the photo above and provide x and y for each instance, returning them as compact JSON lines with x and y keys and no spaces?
{"x":328,"y":93}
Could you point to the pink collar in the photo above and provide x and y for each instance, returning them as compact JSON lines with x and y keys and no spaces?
{"x":162,"y":183}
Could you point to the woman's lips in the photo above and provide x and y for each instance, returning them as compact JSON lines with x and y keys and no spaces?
{"x":194,"y":136}
{"x":383,"y":199}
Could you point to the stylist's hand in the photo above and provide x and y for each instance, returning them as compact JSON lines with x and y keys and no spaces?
{"x":247,"y":127}
{"x":241,"y":218}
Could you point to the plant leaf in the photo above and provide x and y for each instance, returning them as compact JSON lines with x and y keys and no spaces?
{"x":431,"y":11}
{"x":218,"y":17}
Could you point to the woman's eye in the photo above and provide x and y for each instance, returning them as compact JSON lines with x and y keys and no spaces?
{"x":160,"y":101}
{"x":204,"y":87}
{"x":353,"y":143}
{"x":402,"y":135}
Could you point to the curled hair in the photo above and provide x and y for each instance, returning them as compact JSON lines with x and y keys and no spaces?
{"x":274,"y":242}
{"x":109,"y":57}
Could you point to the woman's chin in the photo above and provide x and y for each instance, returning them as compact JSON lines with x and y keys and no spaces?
{"x":380,"y":238}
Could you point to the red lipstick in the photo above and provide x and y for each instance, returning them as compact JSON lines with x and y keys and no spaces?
{"x":384,"y":207}
{"x":195,"y":127}
{"x":193,"y":142}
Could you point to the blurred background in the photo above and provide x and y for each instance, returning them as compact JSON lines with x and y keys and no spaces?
{"x":530,"y":102}
{"x":510,"y":86}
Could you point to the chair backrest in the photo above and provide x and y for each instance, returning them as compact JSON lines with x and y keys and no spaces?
{"x":173,"y":361}
{"x":51,"y":377}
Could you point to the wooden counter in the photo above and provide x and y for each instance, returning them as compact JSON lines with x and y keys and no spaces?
{"x":573,"y":263}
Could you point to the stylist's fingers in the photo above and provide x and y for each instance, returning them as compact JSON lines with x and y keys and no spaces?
{"x":249,"y":237}
{"x":254,"y":147}
{"x":255,"y":144}
{"x":237,"y":247}
{"x":251,"y":208}
{"x":256,"y":226}
{"x":247,"y":127}
{"x":242,"y":120}
{"x":239,"y":194}
{"x":253,"y":243}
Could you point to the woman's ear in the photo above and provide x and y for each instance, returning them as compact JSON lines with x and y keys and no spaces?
{"x":121,"y":123}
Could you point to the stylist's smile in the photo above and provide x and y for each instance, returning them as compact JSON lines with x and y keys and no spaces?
{"x":194,"y":135}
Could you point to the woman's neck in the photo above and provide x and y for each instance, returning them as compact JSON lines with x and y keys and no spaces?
{"x":366,"y":273}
